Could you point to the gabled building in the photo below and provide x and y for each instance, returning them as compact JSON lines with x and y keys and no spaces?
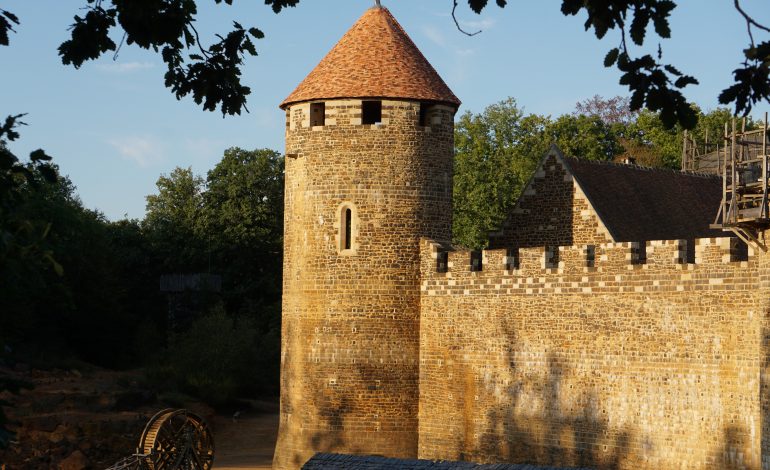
{"x":573,"y":201}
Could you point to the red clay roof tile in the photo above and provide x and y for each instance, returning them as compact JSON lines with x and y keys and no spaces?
{"x":374,"y":59}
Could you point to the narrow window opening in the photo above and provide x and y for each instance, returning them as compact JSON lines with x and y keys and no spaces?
{"x":689,"y":254}
{"x":476,"y":261}
{"x":442,"y":262}
{"x":348,"y":229}
{"x":639,"y":253}
{"x":318,"y":114}
{"x":424,"y":114}
{"x":739,"y":251}
{"x":590,"y":256}
{"x":551,"y":257}
{"x":371,"y":112}
{"x":512,"y":259}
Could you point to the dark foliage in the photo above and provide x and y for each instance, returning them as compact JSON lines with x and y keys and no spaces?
{"x":87,"y":289}
{"x":212,"y":74}
{"x":751,"y":81}
{"x":231,"y":226}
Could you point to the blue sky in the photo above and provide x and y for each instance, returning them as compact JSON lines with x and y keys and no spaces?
{"x":114,"y":128}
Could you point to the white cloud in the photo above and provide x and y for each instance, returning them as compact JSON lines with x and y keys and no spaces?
{"x":434,"y":35}
{"x":124,"y":67}
{"x":144,"y":151}
{"x":482,"y":24}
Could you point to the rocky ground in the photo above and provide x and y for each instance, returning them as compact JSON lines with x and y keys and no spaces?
{"x":79,"y":420}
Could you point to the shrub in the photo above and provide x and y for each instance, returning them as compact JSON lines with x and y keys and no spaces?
{"x":215,"y":359}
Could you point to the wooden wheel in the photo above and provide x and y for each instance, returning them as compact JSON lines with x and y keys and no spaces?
{"x":177,"y":440}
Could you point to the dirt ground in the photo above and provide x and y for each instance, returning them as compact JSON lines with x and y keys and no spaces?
{"x":246,"y":443}
{"x":95,"y":417}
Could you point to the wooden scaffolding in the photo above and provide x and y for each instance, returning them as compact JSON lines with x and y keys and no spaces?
{"x":703,"y":157}
{"x":745,"y":178}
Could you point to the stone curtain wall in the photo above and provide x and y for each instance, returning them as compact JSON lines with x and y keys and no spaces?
{"x":349,"y":351}
{"x":653,"y":366}
{"x":552,"y":210}
{"x":764,"y":287}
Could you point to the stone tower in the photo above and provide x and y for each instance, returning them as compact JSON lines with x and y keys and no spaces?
{"x":369,"y":146}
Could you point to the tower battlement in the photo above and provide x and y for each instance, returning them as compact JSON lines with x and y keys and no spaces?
{"x":425,"y":116}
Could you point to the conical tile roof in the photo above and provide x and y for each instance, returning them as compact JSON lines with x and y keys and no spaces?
{"x":374,"y":59}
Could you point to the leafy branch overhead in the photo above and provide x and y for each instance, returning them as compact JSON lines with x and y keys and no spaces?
{"x":655,"y":85}
{"x":211,"y":74}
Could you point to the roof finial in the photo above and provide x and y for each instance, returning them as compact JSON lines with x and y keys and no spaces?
{"x":377,"y":4}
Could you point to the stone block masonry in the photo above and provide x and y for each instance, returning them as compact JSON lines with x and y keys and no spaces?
{"x":577,"y":343}
{"x":552,"y":210}
{"x":658,"y":365}
{"x":358,"y":198}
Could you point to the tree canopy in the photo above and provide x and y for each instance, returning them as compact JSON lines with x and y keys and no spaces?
{"x":497,"y":150}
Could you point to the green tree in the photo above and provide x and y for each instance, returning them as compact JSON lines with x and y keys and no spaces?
{"x":138,"y":268}
{"x":244,"y":223}
{"x":19,"y":236}
{"x":648,"y":132}
{"x":73,"y":306}
{"x":174,"y":221}
{"x":585,"y":137}
{"x":495,"y":153}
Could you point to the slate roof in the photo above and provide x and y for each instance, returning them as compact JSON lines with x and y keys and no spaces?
{"x":344,"y":462}
{"x":374,"y":59}
{"x":639,"y":204}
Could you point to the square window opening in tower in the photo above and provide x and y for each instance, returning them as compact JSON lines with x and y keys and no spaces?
{"x":423,"y":119}
{"x":318,"y":114}
{"x":371,"y":112}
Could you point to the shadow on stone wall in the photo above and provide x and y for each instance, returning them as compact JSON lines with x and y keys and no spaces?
{"x":560,"y":437}
{"x":731,"y":455}
{"x":578,"y":433}
{"x":332,"y":407}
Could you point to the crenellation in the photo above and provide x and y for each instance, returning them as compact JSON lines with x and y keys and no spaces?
{"x":349,"y":113}
{"x":659,"y":255}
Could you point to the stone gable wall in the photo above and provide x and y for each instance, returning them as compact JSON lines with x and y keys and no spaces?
{"x":349,"y":350}
{"x":552,"y":210}
{"x":652,"y":366}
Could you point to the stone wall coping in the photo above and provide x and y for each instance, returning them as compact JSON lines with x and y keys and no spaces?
{"x":606,"y":256}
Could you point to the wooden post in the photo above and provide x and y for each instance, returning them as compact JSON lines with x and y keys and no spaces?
{"x":725,"y":215}
{"x":744,"y":149}
{"x":734,"y":191}
{"x":684,"y":151}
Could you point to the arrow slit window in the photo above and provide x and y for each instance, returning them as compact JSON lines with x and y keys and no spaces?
{"x":347,"y":228}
